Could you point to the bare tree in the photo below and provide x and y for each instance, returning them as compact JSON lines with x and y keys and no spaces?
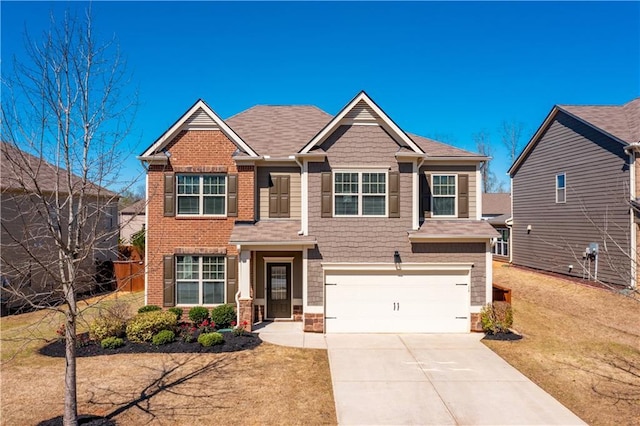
{"x":490,"y":182}
{"x":65,"y":114}
{"x":511,"y":132}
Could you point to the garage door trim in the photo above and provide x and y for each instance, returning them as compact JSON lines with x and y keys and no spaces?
{"x":368,"y":267}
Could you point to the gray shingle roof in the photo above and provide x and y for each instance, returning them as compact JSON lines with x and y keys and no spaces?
{"x":269,"y":231}
{"x":19,"y":171}
{"x":455,"y":228}
{"x":496,"y":204}
{"x":434,"y":148}
{"x":621,"y":121}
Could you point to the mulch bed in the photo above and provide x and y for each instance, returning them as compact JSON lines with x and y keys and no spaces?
{"x":232,"y":343}
{"x":502,"y":336}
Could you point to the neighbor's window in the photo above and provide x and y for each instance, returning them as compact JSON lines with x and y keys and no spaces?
{"x":360,"y":194}
{"x":200,"y":280}
{"x":444,"y":195}
{"x":561,"y":188}
{"x":201,"y":195}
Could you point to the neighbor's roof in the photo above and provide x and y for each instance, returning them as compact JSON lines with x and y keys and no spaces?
{"x":453,"y":229}
{"x":275,"y":232}
{"x":136,"y":208}
{"x":21,"y":171}
{"x":278,"y":130}
{"x":621,"y":121}
{"x":496,"y":204}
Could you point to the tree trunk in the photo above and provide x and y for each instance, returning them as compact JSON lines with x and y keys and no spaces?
{"x":70,"y":389}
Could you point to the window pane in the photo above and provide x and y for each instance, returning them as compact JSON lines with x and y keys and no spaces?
{"x":560,"y":181}
{"x":188,"y":205}
{"x":373,"y":183}
{"x":213,"y":268}
{"x":443,"y":206}
{"x":213,"y":185}
{"x":346,"y":205}
{"x":346,"y":183}
{"x":187,"y":268}
{"x":278,"y":283}
{"x":214,"y":205}
{"x":561,"y":196}
{"x":188,"y":184}
{"x":373,"y":205}
{"x":187,"y":292}
{"x":213,"y":292}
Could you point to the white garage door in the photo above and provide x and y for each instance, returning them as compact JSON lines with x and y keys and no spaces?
{"x":385,"y":302}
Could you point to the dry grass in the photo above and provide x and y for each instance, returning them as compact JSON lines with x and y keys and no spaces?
{"x":581,"y":344}
{"x":268,"y":385}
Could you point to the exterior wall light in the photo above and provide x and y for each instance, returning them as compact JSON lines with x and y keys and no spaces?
{"x":396,"y":257}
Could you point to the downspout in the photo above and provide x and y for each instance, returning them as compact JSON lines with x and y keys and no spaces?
{"x":237,"y":296}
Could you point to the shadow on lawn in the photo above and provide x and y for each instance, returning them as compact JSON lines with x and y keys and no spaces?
{"x":183,"y":378}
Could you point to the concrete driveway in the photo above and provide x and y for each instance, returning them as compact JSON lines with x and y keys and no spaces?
{"x":433,"y":379}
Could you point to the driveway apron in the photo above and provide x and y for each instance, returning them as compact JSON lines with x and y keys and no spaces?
{"x":433,"y":379}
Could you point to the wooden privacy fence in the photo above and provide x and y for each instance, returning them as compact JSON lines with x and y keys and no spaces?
{"x":501,"y":294}
{"x":129,"y":275}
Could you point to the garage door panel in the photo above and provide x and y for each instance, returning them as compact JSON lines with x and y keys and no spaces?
{"x":391,"y":303}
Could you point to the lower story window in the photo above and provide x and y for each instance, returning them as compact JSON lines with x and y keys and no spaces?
{"x":200,"y":280}
{"x":501,"y":248}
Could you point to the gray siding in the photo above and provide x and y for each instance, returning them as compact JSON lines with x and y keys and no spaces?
{"x":362,"y":239}
{"x":263,"y":191}
{"x":597,"y":181}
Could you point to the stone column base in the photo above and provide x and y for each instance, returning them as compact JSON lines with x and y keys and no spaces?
{"x":246,"y":313}
{"x":476,"y":324}
{"x":314,"y":323}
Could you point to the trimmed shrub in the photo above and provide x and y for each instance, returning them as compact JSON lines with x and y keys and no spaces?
{"x":143,"y":326}
{"x":223,"y":315}
{"x":106,"y":326}
{"x":163,"y":337}
{"x":210,"y":339}
{"x":177,"y":311}
{"x":111,"y":343}
{"x":197,"y":314}
{"x":496,"y":317}
{"x":149,"y":308}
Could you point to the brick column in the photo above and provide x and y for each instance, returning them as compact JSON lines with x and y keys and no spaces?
{"x":246,"y":313}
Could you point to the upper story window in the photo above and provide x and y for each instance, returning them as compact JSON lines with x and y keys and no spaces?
{"x":444,"y":195}
{"x":360,"y":193}
{"x":200,"y":280}
{"x":561,"y":188}
{"x":201,"y":195}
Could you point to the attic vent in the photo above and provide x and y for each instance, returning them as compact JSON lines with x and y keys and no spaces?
{"x":361,"y":112}
{"x":199,"y":120}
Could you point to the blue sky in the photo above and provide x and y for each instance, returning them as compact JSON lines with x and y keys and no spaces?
{"x":439,"y":69}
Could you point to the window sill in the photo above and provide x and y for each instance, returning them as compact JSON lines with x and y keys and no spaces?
{"x":199,"y":217}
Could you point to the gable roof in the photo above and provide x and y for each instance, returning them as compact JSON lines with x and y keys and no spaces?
{"x":21,"y":170}
{"x":362,"y":101}
{"x":496,"y":203}
{"x":137,"y":208}
{"x":279,"y":130}
{"x":433,"y":148}
{"x":197,"y":115}
{"x":620,"y":122}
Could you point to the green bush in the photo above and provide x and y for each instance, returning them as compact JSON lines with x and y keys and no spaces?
{"x":106,"y":326}
{"x":149,"y":308}
{"x":163,"y":337}
{"x":197,"y":314}
{"x":223,"y":315}
{"x":177,"y":311}
{"x":143,"y":326}
{"x":111,"y":343}
{"x":210,"y":339}
{"x":496,"y":317}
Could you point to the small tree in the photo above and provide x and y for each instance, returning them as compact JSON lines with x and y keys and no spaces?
{"x":511,"y":134}
{"x":490,"y":182}
{"x":64,"y":116}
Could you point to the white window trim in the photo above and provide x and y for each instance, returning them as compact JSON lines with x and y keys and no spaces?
{"x":201,"y":281}
{"x":360,"y":171}
{"x":201,"y":195}
{"x":455,"y":196}
{"x":564,"y":188}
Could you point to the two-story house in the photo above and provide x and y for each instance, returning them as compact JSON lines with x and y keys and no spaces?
{"x":574,"y":194}
{"x":345,"y":222}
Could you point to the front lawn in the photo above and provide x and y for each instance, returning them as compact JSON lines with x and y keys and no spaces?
{"x":266,"y":385}
{"x":581,"y":344}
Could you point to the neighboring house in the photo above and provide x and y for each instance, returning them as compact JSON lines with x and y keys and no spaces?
{"x":496,"y":209}
{"x":132,"y":220}
{"x":25,"y":230}
{"x":573,"y":187}
{"x":344,"y":222}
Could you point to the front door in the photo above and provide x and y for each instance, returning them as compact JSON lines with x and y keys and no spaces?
{"x":278,"y":290}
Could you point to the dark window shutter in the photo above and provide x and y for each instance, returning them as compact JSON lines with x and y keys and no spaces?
{"x":284,"y":196}
{"x":232,"y":195}
{"x":274,"y":196}
{"x":169,"y":282}
{"x":394,"y":194}
{"x":327,"y":199}
{"x":232,"y":278}
{"x":169,"y":194}
{"x":463,"y":195}
{"x":425,"y":184}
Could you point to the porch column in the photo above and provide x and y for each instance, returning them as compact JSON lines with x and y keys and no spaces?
{"x":245,"y":302}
